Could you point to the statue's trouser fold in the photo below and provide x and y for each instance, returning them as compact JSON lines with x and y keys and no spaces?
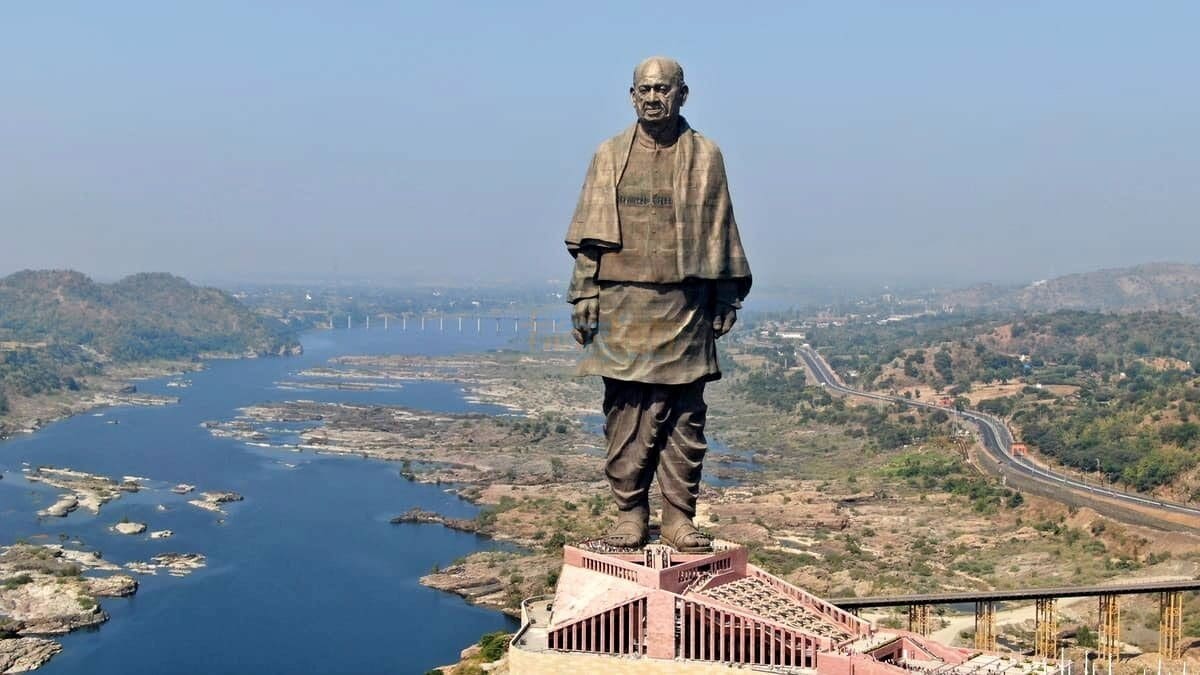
{"x":655,"y":429}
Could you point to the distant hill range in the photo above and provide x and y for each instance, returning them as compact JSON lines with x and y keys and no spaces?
{"x":144,"y":316}
{"x":1171,"y":287}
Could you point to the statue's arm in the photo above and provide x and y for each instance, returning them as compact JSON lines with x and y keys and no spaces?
{"x":584,"y":294}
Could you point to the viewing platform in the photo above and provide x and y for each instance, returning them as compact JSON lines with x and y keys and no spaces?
{"x":659,"y":611}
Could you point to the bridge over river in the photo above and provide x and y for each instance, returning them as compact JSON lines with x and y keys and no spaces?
{"x":1170,"y":600}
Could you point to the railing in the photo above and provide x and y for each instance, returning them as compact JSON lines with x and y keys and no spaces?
{"x":707,"y":632}
{"x":619,"y":569}
{"x":526,"y":623}
{"x":678,"y":578}
{"x":620,"y":630}
{"x":841,"y":617}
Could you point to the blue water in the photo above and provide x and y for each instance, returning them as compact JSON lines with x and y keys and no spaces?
{"x":306,"y":575}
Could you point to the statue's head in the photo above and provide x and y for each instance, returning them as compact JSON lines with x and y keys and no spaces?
{"x":658,"y":90}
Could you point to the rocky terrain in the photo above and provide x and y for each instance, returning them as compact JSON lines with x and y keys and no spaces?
{"x":813,"y":506}
{"x":85,"y":490}
{"x":458,"y":448}
{"x":46,"y":590}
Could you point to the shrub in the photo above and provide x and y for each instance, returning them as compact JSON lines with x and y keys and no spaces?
{"x":493,"y":645}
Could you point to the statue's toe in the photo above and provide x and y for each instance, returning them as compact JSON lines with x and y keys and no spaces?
{"x":685,"y":538}
{"x":628,"y":533}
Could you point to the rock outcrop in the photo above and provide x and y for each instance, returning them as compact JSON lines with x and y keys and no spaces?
{"x":19,"y":655}
{"x":129,"y":528}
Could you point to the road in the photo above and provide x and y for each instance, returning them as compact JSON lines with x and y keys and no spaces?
{"x":1020,"y":472}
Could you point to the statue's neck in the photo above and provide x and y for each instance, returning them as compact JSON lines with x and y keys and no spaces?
{"x":659,"y":134}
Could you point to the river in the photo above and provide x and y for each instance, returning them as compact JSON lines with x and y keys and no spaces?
{"x":304,"y":576}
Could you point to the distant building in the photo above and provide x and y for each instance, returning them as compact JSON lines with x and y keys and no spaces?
{"x":659,"y":611}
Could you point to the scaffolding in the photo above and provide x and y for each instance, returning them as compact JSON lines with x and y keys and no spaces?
{"x":1170,"y":624}
{"x":920,"y":619}
{"x":985,"y":625}
{"x":1110,"y":627}
{"x":1046,"y":628}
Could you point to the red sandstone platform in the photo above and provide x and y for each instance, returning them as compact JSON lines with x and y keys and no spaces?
{"x":657,"y":605}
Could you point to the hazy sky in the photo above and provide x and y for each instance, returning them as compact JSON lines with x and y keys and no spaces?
{"x":889,"y":141}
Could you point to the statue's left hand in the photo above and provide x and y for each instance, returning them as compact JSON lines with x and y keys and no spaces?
{"x":723,"y":320}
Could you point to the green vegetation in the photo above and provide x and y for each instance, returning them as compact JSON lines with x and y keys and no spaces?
{"x":140,"y":317}
{"x":492,"y":646}
{"x":30,"y":558}
{"x":1086,"y":637}
{"x":935,"y":470}
{"x":16,"y":581}
{"x":1133,"y":410}
{"x":775,"y":388}
{"x":58,"y":327}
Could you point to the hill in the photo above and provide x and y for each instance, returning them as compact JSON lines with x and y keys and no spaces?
{"x":139,"y":317}
{"x":1149,"y":287}
{"x":60,"y":328}
{"x":1115,"y":393}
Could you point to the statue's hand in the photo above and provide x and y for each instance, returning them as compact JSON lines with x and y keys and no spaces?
{"x":585,"y":316}
{"x":723,"y":320}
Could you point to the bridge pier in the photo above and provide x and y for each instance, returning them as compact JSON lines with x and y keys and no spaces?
{"x":1110,"y":627}
{"x":985,"y":625}
{"x":1170,"y":624}
{"x":1046,"y":627}
{"x":920,"y":619}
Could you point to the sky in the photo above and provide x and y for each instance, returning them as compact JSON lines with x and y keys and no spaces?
{"x":939,"y":143}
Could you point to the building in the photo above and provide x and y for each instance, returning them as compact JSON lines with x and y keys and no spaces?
{"x":659,"y":611}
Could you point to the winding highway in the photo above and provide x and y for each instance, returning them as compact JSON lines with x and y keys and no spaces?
{"x":997,"y":443}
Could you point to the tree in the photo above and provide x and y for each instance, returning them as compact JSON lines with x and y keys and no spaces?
{"x":944,"y":365}
{"x":1086,"y":637}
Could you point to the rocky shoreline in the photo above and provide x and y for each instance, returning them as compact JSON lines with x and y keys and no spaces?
{"x":44,"y":592}
{"x":459,"y":448}
{"x":115,"y":387}
{"x":420,"y":516}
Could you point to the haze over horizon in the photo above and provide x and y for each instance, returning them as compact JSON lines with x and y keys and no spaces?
{"x":867,"y":142}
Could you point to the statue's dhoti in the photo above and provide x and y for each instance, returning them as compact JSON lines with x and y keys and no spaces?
{"x":655,"y":428}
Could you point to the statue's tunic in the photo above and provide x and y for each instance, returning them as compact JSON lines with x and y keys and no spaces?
{"x":654,"y":326}
{"x":660,"y":252}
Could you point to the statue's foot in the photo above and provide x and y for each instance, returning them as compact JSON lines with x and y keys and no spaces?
{"x":631,"y":531}
{"x":683,"y":536}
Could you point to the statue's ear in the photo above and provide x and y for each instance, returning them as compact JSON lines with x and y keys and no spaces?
{"x":683,"y":92}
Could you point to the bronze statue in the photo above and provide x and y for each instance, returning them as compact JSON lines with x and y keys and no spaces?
{"x":659,"y":275}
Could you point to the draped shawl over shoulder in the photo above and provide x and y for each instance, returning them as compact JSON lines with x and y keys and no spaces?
{"x":709,"y":244}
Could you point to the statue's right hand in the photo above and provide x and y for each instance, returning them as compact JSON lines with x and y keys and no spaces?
{"x":585,"y":317}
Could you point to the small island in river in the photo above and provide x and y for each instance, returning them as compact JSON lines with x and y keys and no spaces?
{"x":49,"y":590}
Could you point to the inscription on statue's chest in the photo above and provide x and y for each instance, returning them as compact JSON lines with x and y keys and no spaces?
{"x":645,"y":200}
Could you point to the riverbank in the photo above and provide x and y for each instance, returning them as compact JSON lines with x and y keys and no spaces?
{"x":817,"y":507}
{"x":261,"y":556}
{"x":50,"y":590}
{"x":115,"y":386}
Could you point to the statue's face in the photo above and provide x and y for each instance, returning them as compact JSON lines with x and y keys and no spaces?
{"x":657,"y":93}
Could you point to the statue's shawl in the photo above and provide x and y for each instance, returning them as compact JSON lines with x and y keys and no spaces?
{"x":709,"y":244}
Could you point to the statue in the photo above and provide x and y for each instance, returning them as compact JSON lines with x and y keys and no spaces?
{"x":659,"y":275}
